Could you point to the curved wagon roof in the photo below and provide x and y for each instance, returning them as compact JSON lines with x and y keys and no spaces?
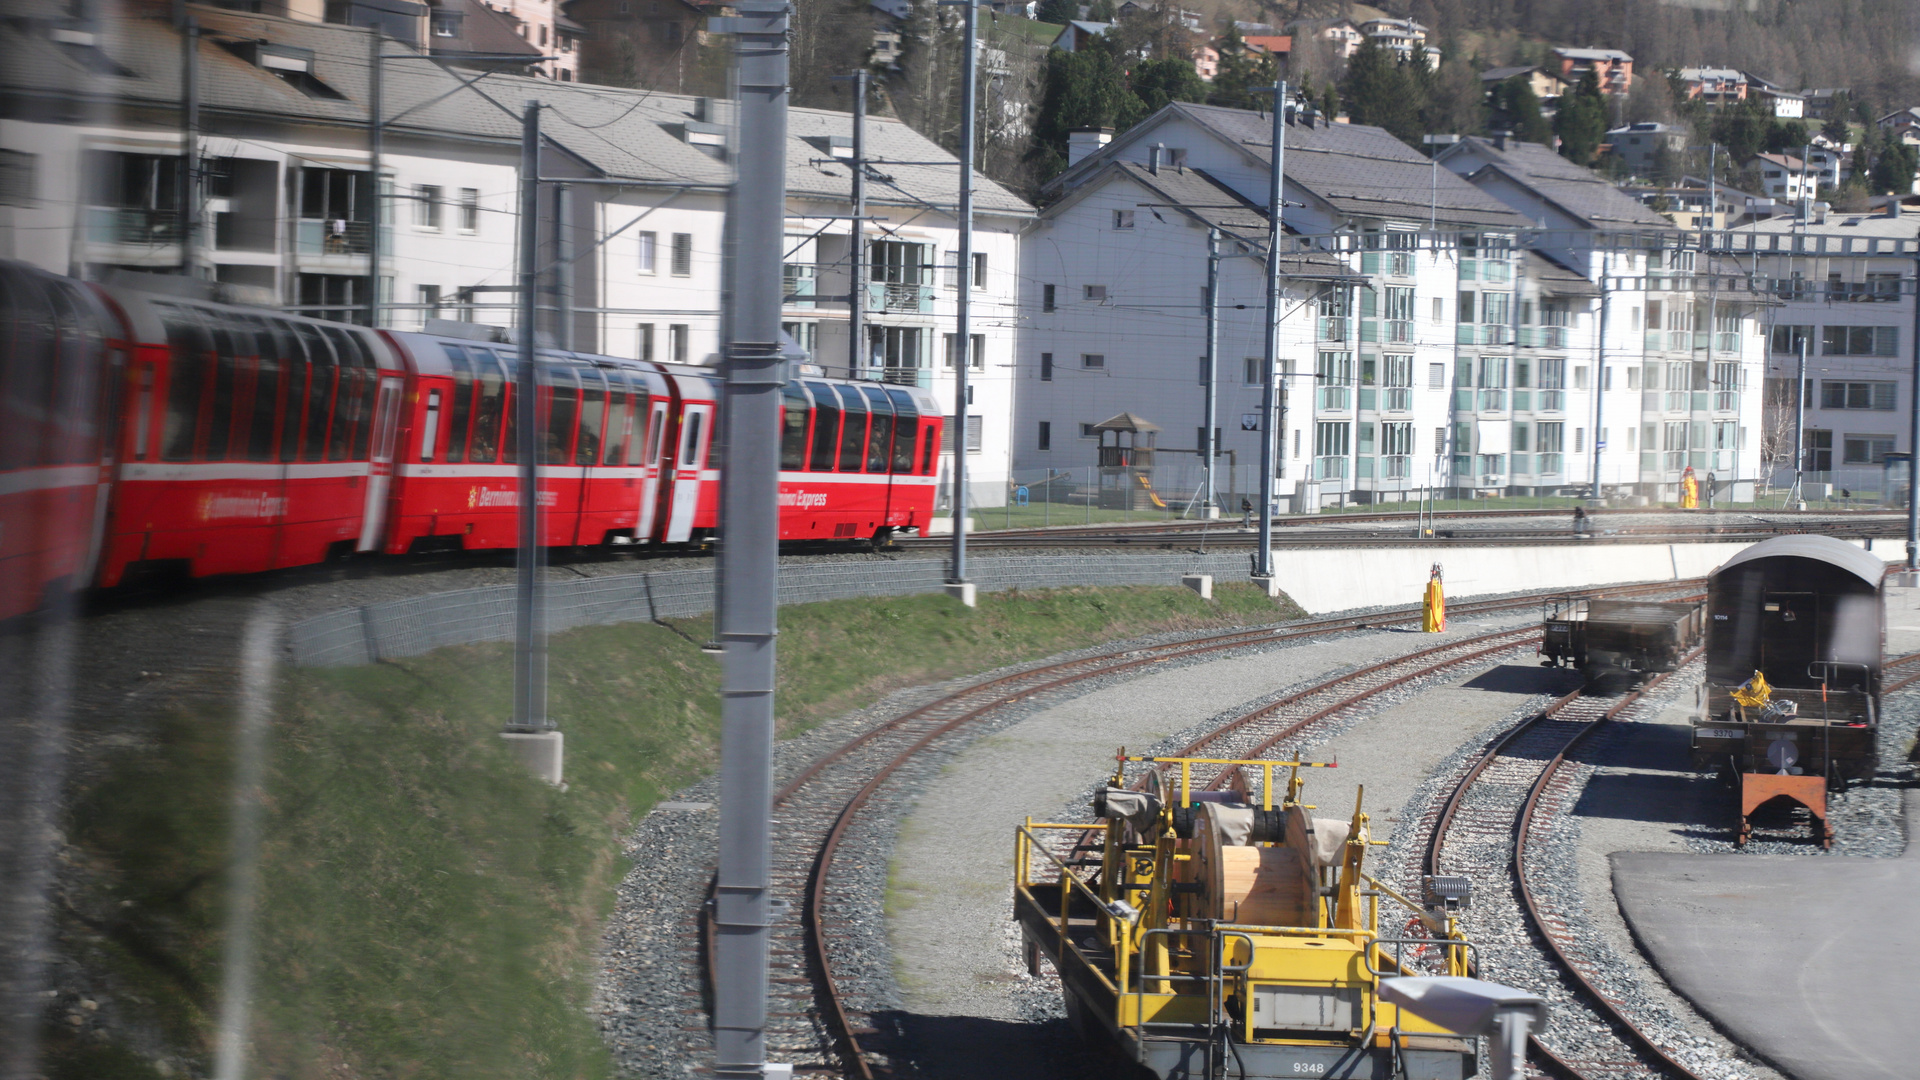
{"x":1861,"y":564}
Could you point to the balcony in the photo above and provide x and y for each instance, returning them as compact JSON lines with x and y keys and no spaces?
{"x":321,"y":237}
{"x":1493,"y":400}
{"x":1483,"y":334}
{"x":796,"y":286}
{"x":1543,"y":337}
{"x":1549,"y":465}
{"x":1398,"y":399}
{"x":901,"y":297}
{"x":1332,"y":328}
{"x":1334,"y":398}
{"x":1552,"y":401}
{"x":1676,"y":401}
{"x":1400,"y":331}
{"x":907,"y":376}
{"x":1655,"y":341}
{"x":1726,"y":401}
{"x":114,"y":225}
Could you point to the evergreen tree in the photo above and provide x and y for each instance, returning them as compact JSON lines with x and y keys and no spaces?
{"x":1241,"y":70}
{"x":1836,"y":128}
{"x":1786,"y":137}
{"x":1156,"y":82}
{"x":1744,"y":128}
{"x":1102,"y":11}
{"x":1059,"y":12}
{"x":1083,"y":89}
{"x":1518,"y":110}
{"x":1330,"y":101}
{"x":1381,"y":91}
{"x":1893,"y":166}
{"x":1582,"y":121}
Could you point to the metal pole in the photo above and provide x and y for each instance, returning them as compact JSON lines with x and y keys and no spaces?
{"x":1207,"y":447}
{"x":563,"y":266}
{"x":375,"y":127}
{"x":1799,"y":421}
{"x":529,"y":623}
{"x":857,"y":246}
{"x":1599,"y":379}
{"x":1263,"y":557}
{"x":190,"y":201}
{"x":1913,"y":432}
{"x":963,"y":347}
{"x":756,"y":369}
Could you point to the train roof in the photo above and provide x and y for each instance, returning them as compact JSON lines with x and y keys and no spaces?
{"x":1861,"y":564}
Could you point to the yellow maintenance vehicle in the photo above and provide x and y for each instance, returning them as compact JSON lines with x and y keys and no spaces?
{"x":1218,"y":933}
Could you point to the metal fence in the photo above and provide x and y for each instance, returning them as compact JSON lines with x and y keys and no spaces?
{"x":421,"y":624}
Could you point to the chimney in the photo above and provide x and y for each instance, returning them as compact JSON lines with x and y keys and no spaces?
{"x":1083,"y":143}
{"x":1153,"y":158}
{"x":1893,"y":206}
{"x":1499,"y":140}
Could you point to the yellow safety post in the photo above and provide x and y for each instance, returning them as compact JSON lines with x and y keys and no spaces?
{"x":1689,"y":490}
{"x":1433,"y":612}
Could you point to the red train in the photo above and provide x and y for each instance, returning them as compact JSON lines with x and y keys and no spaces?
{"x":148,"y":428}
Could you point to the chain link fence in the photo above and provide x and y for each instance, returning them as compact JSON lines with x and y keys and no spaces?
{"x":419,"y":625}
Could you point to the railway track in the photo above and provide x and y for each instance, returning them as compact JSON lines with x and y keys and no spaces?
{"x":812,"y":1019}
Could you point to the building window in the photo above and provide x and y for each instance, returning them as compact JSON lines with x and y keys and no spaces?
{"x":1878,"y":396}
{"x":976,"y":439}
{"x":1866,"y":449}
{"x":1439,"y":311}
{"x":469,"y":210}
{"x":1332,"y":442}
{"x":429,"y":297}
{"x":1859,"y":340}
{"x":1046,"y":367}
{"x":979,"y":269}
{"x":426,"y":206}
{"x":1093,"y":360}
{"x":645,"y":349}
{"x":649,"y":245}
{"x":682,"y":254}
{"x":1819,"y":445}
{"x":1123,"y":219}
{"x":1254,"y":375}
{"x":677,"y":342}
{"x":1203,"y":371}
{"x":1440,"y":441}
{"x":1436,"y":376}
{"x":1097,"y":293}
{"x":978,"y":359}
{"x":1045,"y":440}
{"x":1087,"y":432}
{"x":446,"y":24}
{"x":1046,"y":298}
{"x":17,"y":171}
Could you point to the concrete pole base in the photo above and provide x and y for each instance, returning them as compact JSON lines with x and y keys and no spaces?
{"x":1268,"y":583}
{"x":1210,"y":513}
{"x":962,"y":591}
{"x":1904,"y":579}
{"x":542,"y":752}
{"x":1200,"y":583}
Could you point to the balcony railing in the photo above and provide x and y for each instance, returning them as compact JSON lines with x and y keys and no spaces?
{"x":1463,"y":399}
{"x":908,"y":376}
{"x":109,"y":225}
{"x":1329,"y":468}
{"x":899,"y":296}
{"x":797,"y":286}
{"x":1655,"y":341}
{"x":1726,"y":401}
{"x":1334,"y":398}
{"x":1552,"y":401}
{"x":1397,"y":467}
{"x":1521,"y":464}
{"x":1493,"y":400}
{"x":1333,"y":328}
{"x":1483,"y":334}
{"x":1400,"y":330}
{"x":1543,"y":337}
{"x":1676,"y":460}
{"x":1398,"y":399}
{"x":1523,"y":401}
{"x":333,"y":237}
{"x":1549,"y":465}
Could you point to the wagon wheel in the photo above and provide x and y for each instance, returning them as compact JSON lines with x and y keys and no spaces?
{"x":1740,"y":838}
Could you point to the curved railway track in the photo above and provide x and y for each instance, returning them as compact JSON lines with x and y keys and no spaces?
{"x":811,"y":1022}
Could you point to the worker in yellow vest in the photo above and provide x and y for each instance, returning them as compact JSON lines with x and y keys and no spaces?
{"x":1433,"y":613}
{"x":1689,"y":490}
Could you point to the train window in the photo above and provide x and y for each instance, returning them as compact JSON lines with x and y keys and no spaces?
{"x":266,"y":391}
{"x":563,"y":407}
{"x":489,"y":401}
{"x":29,"y":383}
{"x":70,"y":435}
{"x":463,"y":391}
{"x":690,"y":442}
{"x":853,"y":433}
{"x":350,"y":439}
{"x":323,"y":384}
{"x":906,"y":430}
{"x":346,"y":414}
{"x":826,"y":426}
{"x":217,"y":422}
{"x":593,"y":406}
{"x":188,"y":349}
{"x":656,"y":432}
{"x":638,"y":410}
{"x":295,"y":349}
{"x":430,"y":427}
{"x":793,"y":433}
{"x":930,"y":444}
{"x":9,"y":363}
{"x":510,"y":412}
{"x":880,"y":439}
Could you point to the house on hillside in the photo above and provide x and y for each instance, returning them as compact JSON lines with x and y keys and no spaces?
{"x":1686,"y":203}
{"x":1075,"y":35}
{"x":1786,"y":104}
{"x":1819,"y":102}
{"x":1545,"y":85}
{"x":1403,"y":37}
{"x":1639,"y":146}
{"x":1341,"y":34}
{"x":1713,"y":87}
{"x":1612,"y":68}
{"x":1785,"y":176}
{"x":1679,"y":361}
{"x":1905,"y":123}
{"x":1278,"y":46}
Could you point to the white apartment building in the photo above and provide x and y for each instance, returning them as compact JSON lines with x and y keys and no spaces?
{"x":290,"y":206}
{"x":1678,"y":365}
{"x":1398,"y":353}
{"x":1845,"y":283}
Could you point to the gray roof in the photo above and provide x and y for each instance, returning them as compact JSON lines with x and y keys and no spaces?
{"x":1502,"y":74}
{"x":1575,"y":189}
{"x":1904,"y":227}
{"x":1358,"y":170}
{"x":1553,"y":279}
{"x":1864,"y":565}
{"x":1207,"y":200}
{"x":622,"y":133}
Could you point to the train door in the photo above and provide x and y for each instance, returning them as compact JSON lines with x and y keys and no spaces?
{"x":902,"y":492}
{"x":689,"y":461}
{"x":651,"y":466}
{"x":386,"y":420}
{"x":1790,"y":638}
